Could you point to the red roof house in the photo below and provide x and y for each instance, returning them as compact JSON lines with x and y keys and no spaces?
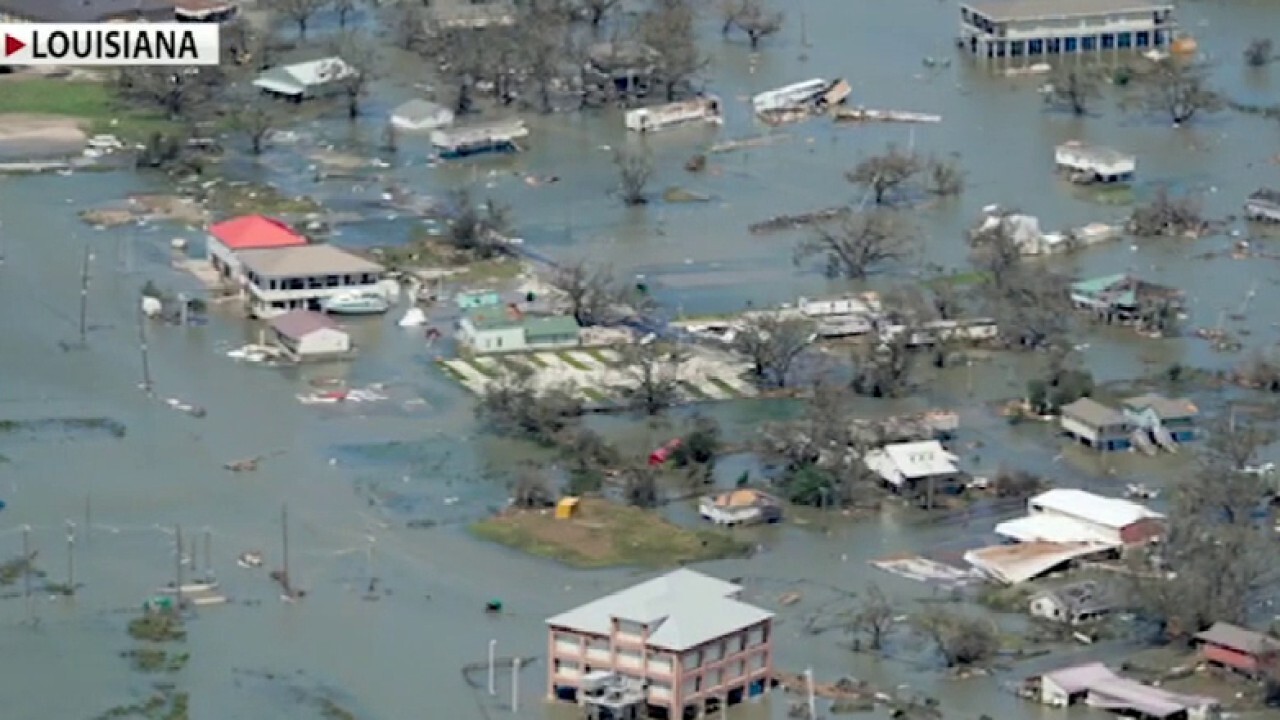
{"x":1238,"y":648}
{"x":249,"y":232}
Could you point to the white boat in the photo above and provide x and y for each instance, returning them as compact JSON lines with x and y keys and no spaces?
{"x":250,"y":560}
{"x":789,"y":96}
{"x":364,"y":302}
{"x":202,"y":586}
{"x":703,"y":109}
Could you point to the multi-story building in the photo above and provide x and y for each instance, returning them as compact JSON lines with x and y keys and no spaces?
{"x":1021,"y":28}
{"x":684,"y":637}
{"x":280,"y":279}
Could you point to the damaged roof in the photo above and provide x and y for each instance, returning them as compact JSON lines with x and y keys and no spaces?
{"x":1238,"y":638}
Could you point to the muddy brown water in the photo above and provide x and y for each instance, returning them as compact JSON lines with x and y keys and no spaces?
{"x":353,"y":472}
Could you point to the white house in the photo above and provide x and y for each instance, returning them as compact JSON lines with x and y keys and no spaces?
{"x":248,"y":232}
{"x":1071,"y":515}
{"x":419,"y":115}
{"x":1094,"y":163}
{"x":499,"y":329}
{"x":908,"y":467}
{"x":740,"y":507}
{"x":277,"y":280}
{"x":308,"y":335}
{"x":300,"y":81}
{"x":1071,"y":604}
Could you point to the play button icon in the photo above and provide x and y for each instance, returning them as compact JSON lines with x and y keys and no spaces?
{"x":12,"y":45}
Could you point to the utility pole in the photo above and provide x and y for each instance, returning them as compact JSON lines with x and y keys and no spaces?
{"x":84,"y":296}
{"x":142,"y":348}
{"x":88,"y":514}
{"x":493,"y":646}
{"x":71,"y":557}
{"x":177,"y":564}
{"x":284,"y":533}
{"x":26,"y":569}
{"x":813,"y":703}
{"x":515,"y":685}
{"x":208,"y":554}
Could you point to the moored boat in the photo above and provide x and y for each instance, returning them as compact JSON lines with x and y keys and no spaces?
{"x":365,"y":302}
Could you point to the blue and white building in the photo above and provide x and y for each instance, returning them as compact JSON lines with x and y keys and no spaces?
{"x":1029,"y":28}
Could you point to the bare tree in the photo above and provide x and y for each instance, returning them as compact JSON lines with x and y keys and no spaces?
{"x":597,"y":11}
{"x":634,"y":171}
{"x":994,"y":248}
{"x":752,"y":18}
{"x":1213,"y":564}
{"x":640,"y":486}
{"x":669,"y":27}
{"x":591,"y":291}
{"x":884,"y":369}
{"x":1259,"y":52}
{"x":511,"y":405}
{"x":410,"y":28}
{"x":357,"y":50}
{"x":344,"y":9}
{"x":543,"y":48}
{"x":654,"y":372}
{"x":1168,"y":216}
{"x":1030,"y":304}
{"x":961,"y":640}
{"x":299,"y":12}
{"x":531,"y":490}
{"x":255,"y":115}
{"x":943,"y":177}
{"x":772,"y":344}
{"x":478,"y":230}
{"x":1072,"y":90}
{"x":874,"y":617}
{"x":1179,"y":90}
{"x":886,"y":176}
{"x":182,"y":95}
{"x":859,"y":242}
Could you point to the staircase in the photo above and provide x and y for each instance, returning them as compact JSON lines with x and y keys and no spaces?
{"x":1142,"y":441}
{"x":1165,"y":439}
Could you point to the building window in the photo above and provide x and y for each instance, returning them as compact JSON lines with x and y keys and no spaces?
{"x":1108,"y":41}
{"x":331,"y":281}
{"x":741,"y":642}
{"x":1035,"y":47}
{"x":1088,"y":43}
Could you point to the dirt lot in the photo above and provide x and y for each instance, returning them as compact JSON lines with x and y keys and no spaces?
{"x":25,"y":136}
{"x":604,"y":534}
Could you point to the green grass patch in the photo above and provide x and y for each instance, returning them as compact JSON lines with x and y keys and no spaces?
{"x":728,"y":389}
{"x":600,"y":356}
{"x":237,"y":198}
{"x":93,"y":102}
{"x":607,"y":534}
{"x":157,"y":627}
{"x":595,"y":395}
{"x":450,"y":371}
{"x":484,"y":370}
{"x":513,"y":363}
{"x":537,"y":361}
{"x":694,"y":391}
{"x":151,"y":660}
{"x":571,"y":361}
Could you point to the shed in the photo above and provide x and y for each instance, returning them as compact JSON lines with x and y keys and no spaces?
{"x":1238,"y":648}
{"x":471,"y":299}
{"x":419,"y":114}
{"x":567,"y":507}
{"x":1070,"y":604}
{"x":306,"y":335}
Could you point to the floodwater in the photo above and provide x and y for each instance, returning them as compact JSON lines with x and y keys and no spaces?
{"x":354,"y":473}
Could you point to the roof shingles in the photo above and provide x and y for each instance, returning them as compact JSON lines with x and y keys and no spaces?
{"x":683,"y":610}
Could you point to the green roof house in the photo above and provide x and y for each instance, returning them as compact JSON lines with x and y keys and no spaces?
{"x":1122,"y":296}
{"x":499,"y":329}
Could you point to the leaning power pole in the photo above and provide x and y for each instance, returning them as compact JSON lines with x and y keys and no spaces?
{"x":142,"y":349}
{"x":177,"y":565}
{"x":84,"y":296}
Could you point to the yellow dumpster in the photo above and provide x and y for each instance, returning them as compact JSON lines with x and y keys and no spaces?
{"x":566,"y":508}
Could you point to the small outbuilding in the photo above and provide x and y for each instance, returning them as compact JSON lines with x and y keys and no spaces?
{"x":1238,"y":648}
{"x":566,"y":508}
{"x":744,"y":506}
{"x":1073,"y":604}
{"x":307,"y":335}
{"x":420,"y":115}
